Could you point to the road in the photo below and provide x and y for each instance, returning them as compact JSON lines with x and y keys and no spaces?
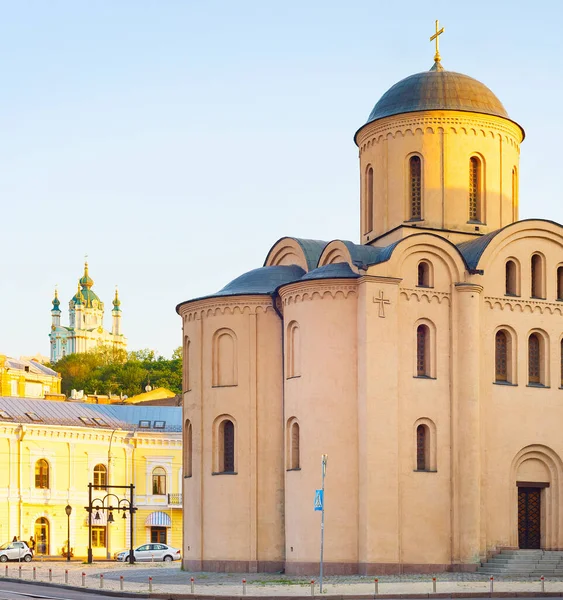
{"x":24,"y":591}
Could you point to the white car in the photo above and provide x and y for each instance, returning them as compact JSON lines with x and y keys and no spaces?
{"x":150,"y":553}
{"x":15,"y":551}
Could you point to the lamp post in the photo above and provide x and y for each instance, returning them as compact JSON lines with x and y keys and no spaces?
{"x":68,"y":511}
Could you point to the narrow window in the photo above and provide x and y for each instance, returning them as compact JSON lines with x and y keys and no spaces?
{"x":537,"y":276}
{"x":559,"y":283}
{"x":369,"y":199}
{"x":159,"y":482}
{"x":42,"y":474}
{"x":188,"y":450}
{"x":228,"y":431}
{"x":100,"y":477}
{"x":293,"y":350}
{"x":415,"y":177}
{"x":423,"y":274}
{"x":501,"y":356}
{"x":422,"y":354}
{"x":295,"y":445}
{"x":511,"y":280}
{"x":534,"y":359}
{"x":474,"y":189}
{"x":186,"y":363}
{"x":561,"y":351}
{"x":514,"y":194}
{"x":224,"y":358}
{"x":422,"y":448}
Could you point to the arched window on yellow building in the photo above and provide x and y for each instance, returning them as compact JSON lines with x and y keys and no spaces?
{"x":475,"y":189}
{"x":369,"y":199}
{"x":422,"y":351}
{"x":42,"y":474}
{"x":293,"y":443}
{"x":559,"y":283}
{"x":537,"y":276}
{"x":159,"y":481}
{"x":501,"y":356}
{"x":227,"y":439}
{"x":100,"y":477}
{"x":422,"y":448}
{"x":511,"y":278}
{"x":415,"y":181}
{"x":534,"y":359}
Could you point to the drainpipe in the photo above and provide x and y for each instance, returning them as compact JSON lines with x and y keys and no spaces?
{"x":108,"y":553}
{"x":21,"y":435}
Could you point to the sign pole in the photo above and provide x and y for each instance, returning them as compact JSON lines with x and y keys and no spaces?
{"x":323,"y":470}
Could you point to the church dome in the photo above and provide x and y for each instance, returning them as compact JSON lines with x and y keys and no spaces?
{"x":437,"y":89}
{"x":86,"y":281}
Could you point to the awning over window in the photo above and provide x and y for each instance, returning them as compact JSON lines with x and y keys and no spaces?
{"x":158,"y":519}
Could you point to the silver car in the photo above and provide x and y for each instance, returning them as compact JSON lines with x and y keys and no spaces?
{"x":150,"y":553}
{"x":15,"y":551}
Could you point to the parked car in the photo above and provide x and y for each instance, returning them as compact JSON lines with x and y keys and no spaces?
{"x":15,"y":551}
{"x":150,"y":553}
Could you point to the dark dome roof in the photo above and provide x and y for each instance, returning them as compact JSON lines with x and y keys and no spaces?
{"x":437,"y":90}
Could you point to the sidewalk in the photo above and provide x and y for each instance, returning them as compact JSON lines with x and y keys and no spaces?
{"x":168,"y":581}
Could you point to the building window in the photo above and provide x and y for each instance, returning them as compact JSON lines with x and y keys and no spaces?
{"x":534,"y":359}
{"x":475,"y":189}
{"x":100,"y":477}
{"x":188,"y":449}
{"x":224,"y":358}
{"x":501,"y":356}
{"x":227,"y":447}
{"x":415,"y":179}
{"x":561,"y":351}
{"x":559,"y":283}
{"x":511,"y":278}
{"x":424,"y":274}
{"x":293,"y":350}
{"x":537,"y":290}
{"x":42,"y":474}
{"x":98,"y":537}
{"x":186,"y":363}
{"x":159,"y":481}
{"x":293,"y":458}
{"x":369,"y":199}
{"x":158,"y":535}
{"x":422,"y":351}
{"x":422,"y":444}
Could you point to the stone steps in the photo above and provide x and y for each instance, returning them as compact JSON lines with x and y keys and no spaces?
{"x":524,"y":563}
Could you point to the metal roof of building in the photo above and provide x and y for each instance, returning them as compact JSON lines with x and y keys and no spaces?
{"x":96,"y":416}
{"x":33,"y":366}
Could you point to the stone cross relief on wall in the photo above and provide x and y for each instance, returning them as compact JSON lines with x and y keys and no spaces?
{"x":382,"y":302}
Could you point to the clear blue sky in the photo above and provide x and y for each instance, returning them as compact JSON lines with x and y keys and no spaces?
{"x":175,"y":141}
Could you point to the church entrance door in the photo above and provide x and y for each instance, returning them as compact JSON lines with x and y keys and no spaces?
{"x":529,"y":517}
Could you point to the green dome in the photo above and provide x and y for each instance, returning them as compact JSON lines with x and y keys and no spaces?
{"x":86,"y":281}
{"x":56,"y":301}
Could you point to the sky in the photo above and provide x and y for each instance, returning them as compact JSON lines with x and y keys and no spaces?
{"x":174,"y":141}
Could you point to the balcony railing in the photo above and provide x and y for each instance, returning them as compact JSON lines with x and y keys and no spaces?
{"x":175,"y":499}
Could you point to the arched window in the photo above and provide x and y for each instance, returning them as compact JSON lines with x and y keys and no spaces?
{"x":475,"y":189}
{"x":369,"y":199}
{"x":42,"y":474}
{"x":422,"y":448}
{"x":293,"y":458}
{"x":511,"y":278}
{"x":534,"y":359}
{"x":537,"y":290}
{"x":559,"y":283}
{"x":159,"y":481}
{"x":501,"y":356}
{"x":227,"y":449}
{"x":100,"y":477}
{"x":186,"y":363}
{"x":415,"y":179}
{"x":422,"y":351}
{"x":188,"y":449}
{"x":424,"y":274}
{"x":293,"y":350}
{"x":224,"y":358}
{"x":561,"y":358}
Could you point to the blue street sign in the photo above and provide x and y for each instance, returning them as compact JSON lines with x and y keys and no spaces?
{"x":319,"y":499}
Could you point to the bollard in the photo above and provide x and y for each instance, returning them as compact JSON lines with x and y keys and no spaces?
{"x":101,"y":580}
{"x":19,"y":572}
{"x":192,"y":582}
{"x":121,"y":582}
{"x":34,"y":573}
{"x":66,"y":575}
{"x":434,"y":585}
{"x":152,"y":557}
{"x":244,"y":587}
{"x":83,"y":579}
{"x":150,"y":584}
{"x":50,"y":575}
{"x":376,"y":586}
{"x":491,"y":584}
{"x":312,"y":587}
{"x":6,"y":570}
{"x":542,"y":583}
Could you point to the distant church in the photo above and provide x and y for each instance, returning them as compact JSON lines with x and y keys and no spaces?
{"x":426,"y":361}
{"x":86,"y":326}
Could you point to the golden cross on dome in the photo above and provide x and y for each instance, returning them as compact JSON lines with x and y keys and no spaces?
{"x":436,"y":37}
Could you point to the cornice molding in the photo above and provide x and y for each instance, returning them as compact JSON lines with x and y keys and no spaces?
{"x":524,"y":305}
{"x":230,"y":305}
{"x":427,"y":294}
{"x":311,"y":290}
{"x":463,"y":286}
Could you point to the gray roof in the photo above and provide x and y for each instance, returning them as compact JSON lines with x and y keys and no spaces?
{"x":126,"y":417}
{"x":437,"y":90}
{"x":33,"y":366}
{"x":332,"y":271}
{"x":312,"y":250}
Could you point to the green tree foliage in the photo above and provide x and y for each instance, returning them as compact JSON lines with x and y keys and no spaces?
{"x":106,"y":370}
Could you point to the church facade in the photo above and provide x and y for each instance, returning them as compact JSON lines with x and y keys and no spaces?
{"x":426,"y":362}
{"x":86,"y":322}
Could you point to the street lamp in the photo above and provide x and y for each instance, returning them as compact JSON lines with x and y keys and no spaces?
{"x":68,"y":511}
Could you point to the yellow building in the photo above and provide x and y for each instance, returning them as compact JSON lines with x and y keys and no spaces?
{"x":23,"y":378}
{"x":52,"y":450}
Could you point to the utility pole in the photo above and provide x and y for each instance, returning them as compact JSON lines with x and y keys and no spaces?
{"x":324,"y":459}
